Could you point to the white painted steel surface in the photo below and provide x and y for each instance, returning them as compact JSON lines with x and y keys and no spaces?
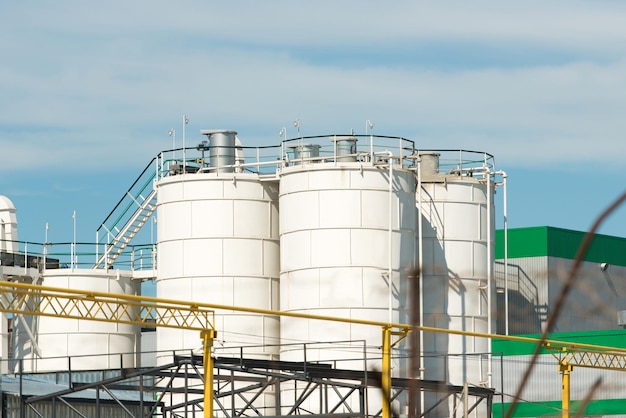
{"x":8,"y":226}
{"x":334,"y":222}
{"x":456,"y":264}
{"x":91,"y":344}
{"x":4,"y":344}
{"x":8,"y":242}
{"x":218,"y":243}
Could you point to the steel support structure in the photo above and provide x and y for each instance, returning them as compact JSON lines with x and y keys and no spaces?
{"x":240,"y":386}
{"x":27,"y":299}
{"x":572,"y":355}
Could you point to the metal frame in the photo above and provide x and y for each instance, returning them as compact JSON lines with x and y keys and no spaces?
{"x":240,"y":383}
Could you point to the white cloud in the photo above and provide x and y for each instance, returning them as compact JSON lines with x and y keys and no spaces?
{"x":111,"y":80}
{"x":88,"y":91}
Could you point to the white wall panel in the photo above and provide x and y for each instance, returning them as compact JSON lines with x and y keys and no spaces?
{"x":252,"y":218}
{"x":61,"y":337}
{"x":330,"y":247}
{"x":228,"y":255}
{"x":204,"y":214}
{"x":457,"y":255}
{"x":305,"y":211}
{"x":340,"y":209}
{"x":335,"y":266}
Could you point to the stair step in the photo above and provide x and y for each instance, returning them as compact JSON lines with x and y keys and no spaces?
{"x":132,"y":227}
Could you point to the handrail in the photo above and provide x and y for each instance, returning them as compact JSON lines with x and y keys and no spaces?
{"x":271,"y":160}
{"x":148,"y":167}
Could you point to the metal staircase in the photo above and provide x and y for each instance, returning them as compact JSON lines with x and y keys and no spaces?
{"x":127,"y":218}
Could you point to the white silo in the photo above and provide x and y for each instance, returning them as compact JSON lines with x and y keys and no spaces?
{"x":8,"y":226}
{"x":62,"y":344}
{"x":347,"y":230}
{"x":218,"y":243}
{"x":8,"y":244}
{"x":456,"y":248}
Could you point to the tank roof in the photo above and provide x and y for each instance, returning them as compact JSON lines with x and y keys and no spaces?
{"x":6,"y":204}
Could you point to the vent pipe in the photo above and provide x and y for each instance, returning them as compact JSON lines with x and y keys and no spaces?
{"x":345,"y":148}
{"x":222,"y":150}
{"x":429,"y":163}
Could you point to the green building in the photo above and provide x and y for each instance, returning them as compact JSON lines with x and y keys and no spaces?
{"x":538,"y":262}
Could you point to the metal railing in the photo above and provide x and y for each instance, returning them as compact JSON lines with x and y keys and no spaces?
{"x":31,"y":256}
{"x":138,"y":203}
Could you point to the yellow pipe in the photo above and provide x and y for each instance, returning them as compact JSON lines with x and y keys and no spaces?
{"x":385,"y":380}
{"x":209,"y":334}
{"x":207,"y":342}
{"x":565,"y":369}
{"x":200,"y":305}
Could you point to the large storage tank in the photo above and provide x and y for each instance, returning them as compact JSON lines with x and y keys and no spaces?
{"x":92,"y":345}
{"x":8,"y":226}
{"x":218,"y":243}
{"x":457,"y":250}
{"x":345,"y":228}
{"x":8,"y":243}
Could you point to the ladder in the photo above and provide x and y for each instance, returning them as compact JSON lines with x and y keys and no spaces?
{"x":127,"y":218}
{"x":122,"y":237}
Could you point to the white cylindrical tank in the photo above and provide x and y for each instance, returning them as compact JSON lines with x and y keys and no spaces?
{"x":457,"y":249}
{"x":89,"y":345}
{"x":8,"y":226}
{"x":342,"y":233}
{"x":218,"y":243}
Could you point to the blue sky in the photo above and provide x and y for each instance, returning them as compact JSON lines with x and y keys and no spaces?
{"x":88,"y":92}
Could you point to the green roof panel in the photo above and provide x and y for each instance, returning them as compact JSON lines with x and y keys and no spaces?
{"x":547,"y":241}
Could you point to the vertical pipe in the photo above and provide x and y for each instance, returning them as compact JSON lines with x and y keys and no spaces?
{"x":74,"y":256}
{"x":141,"y":407}
{"x":489,"y":270}
{"x":21,"y":393}
{"x":389,"y":252}
{"x":420,"y":262}
{"x":97,"y":401}
{"x":506,"y":255}
{"x":207,"y":339}
{"x":565,"y":369}
{"x":185,"y":122}
{"x":502,"y":384}
{"x":277,"y":400}
{"x":460,"y":160}
{"x":386,"y":375}
{"x":414,"y":356}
